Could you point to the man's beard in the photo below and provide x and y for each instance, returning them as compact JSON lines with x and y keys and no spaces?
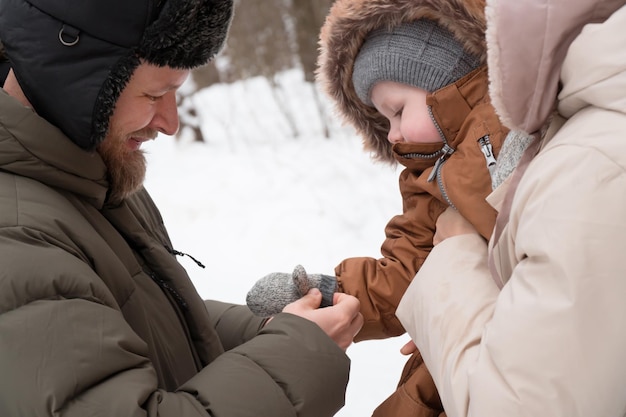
{"x":126,"y":169}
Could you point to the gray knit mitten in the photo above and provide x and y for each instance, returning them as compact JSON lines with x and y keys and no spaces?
{"x":273,"y":292}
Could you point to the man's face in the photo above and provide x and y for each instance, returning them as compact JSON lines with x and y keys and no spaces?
{"x":145,"y":107}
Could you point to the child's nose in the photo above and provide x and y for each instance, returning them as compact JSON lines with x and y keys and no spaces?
{"x":394,"y":135}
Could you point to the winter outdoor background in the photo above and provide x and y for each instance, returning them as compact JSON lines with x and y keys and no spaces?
{"x":267,"y":191}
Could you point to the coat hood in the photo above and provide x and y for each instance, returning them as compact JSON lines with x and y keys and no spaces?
{"x":73,"y":59}
{"x":524,"y":75}
{"x":601,"y":80}
{"x":344,"y":32}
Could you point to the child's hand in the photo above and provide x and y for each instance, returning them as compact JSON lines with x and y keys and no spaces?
{"x":273,"y":292}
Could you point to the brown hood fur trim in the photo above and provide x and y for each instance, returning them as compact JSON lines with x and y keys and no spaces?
{"x":344,"y":31}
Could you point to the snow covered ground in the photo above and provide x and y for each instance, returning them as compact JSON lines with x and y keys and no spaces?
{"x":268,"y":191}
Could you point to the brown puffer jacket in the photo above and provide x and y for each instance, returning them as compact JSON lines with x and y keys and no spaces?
{"x":432,"y":179}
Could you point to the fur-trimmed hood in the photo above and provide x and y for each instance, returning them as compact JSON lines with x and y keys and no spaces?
{"x":524,"y":76}
{"x":345,"y":30}
{"x":73,"y":62}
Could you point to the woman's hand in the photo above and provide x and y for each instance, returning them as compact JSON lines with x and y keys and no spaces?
{"x":409,"y":348}
{"x":450,"y":223}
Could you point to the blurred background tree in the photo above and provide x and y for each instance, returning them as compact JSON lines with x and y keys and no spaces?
{"x":266,"y":37}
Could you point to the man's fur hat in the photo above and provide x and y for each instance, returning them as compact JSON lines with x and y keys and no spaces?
{"x":73,"y":58}
{"x":346,"y":28}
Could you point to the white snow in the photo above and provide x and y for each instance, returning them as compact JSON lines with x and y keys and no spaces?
{"x":255,"y":198}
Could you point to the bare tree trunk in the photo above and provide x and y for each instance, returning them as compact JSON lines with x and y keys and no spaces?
{"x":266,"y":37}
{"x":309,"y":16}
{"x":280,"y":102}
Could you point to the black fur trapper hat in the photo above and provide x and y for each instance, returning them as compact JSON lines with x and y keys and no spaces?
{"x":73,"y":58}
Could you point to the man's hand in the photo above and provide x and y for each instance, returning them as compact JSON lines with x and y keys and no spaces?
{"x":450,"y":223}
{"x":341,"y":321}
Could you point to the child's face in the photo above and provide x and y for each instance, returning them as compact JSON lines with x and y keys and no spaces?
{"x":405,"y":108}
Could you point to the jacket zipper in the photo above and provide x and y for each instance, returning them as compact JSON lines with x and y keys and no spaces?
{"x":441,"y":155}
{"x":167,"y":287}
{"x":487,"y":150}
{"x":180,"y":312}
{"x":447,"y":151}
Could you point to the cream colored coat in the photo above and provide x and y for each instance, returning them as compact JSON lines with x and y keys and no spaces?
{"x":545,"y":334}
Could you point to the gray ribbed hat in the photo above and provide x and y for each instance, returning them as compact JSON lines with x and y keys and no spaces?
{"x":419,"y":53}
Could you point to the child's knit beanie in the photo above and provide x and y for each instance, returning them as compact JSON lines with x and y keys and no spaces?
{"x":418,"y":53}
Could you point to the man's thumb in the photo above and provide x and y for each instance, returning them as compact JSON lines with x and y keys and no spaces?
{"x":313,"y":298}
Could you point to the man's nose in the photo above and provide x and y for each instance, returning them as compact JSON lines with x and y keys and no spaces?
{"x":166,"y":117}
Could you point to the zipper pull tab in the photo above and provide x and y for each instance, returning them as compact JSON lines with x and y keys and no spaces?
{"x":447,"y":151}
{"x":175,"y":252}
{"x":487,"y":150}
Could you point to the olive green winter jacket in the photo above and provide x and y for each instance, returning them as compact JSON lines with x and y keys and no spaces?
{"x":97,"y":317}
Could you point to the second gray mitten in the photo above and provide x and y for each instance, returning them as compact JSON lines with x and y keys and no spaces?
{"x":273,"y":292}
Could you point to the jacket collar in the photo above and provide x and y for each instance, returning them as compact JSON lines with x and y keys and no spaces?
{"x":33,"y":148}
